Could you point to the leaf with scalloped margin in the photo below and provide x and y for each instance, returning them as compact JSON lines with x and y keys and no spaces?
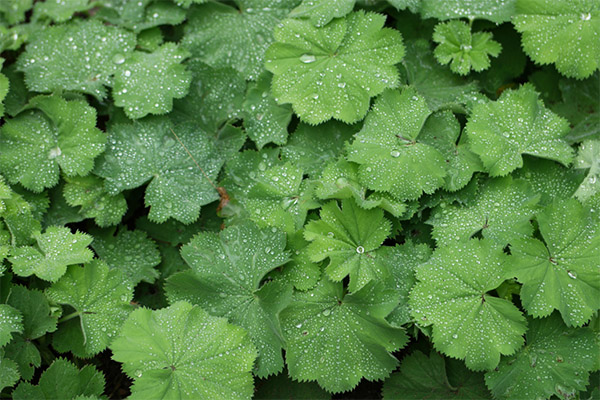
{"x":588,"y":157}
{"x":56,"y":249}
{"x":147,"y":83}
{"x":337,"y":339}
{"x":333,"y":71}
{"x":501,"y":212}
{"x":226,"y":281}
{"x":177,"y":188}
{"x":320,"y":12}
{"x":560,"y":273}
{"x":235,"y":36}
{"x":563,"y":32}
{"x":12,"y":322}
{"x":452,"y":294}
{"x":555,"y":361}
{"x":351,"y":238}
{"x":140,"y":15}
{"x":497,"y":11}
{"x":182,"y":352}
{"x":36,"y":145}
{"x":79,"y":56}
{"x":101,"y":298}
{"x":9,"y":372}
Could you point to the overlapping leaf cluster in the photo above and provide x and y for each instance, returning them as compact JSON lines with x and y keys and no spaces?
{"x":297,"y":198}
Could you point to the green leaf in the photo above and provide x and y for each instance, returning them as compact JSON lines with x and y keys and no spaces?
{"x":463,"y":49}
{"x":228,"y":269}
{"x":13,"y":11}
{"x":74,"y":57}
{"x":555,"y":362}
{"x":350,"y":237}
{"x":588,"y":157}
{"x":100,"y":297}
{"x":56,"y":249}
{"x":20,"y":220}
{"x":561,"y":273}
{"x":580,"y":106}
{"x":236,"y":37}
{"x":333,"y":71}
{"x":9,"y":372}
{"x":452,"y":294}
{"x":216,"y":96}
{"x":177,"y":188}
{"x":338,"y":339}
{"x":35,"y":144}
{"x":497,"y":11}
{"x":141,"y":14}
{"x":182,"y":352}
{"x":132,"y":252}
{"x":518,"y":123}
{"x":561,"y":32}
{"x":25,"y":354}
{"x":4,"y":86}
{"x":300,"y":271}
{"x":11,"y":323}
{"x":265,"y":121}
{"x":60,"y":11}
{"x":62,"y":380}
{"x":501,"y":212}
{"x":391,"y":155}
{"x":147,"y":83}
{"x":312,"y":147}
{"x":33,"y":306}
{"x":320,"y":12}
{"x":89,"y":194}
{"x":423,"y":377}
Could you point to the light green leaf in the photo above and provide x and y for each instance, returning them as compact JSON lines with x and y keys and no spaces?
{"x":561,"y":273}
{"x":75,"y":57}
{"x":452,"y":295}
{"x":56,"y":249}
{"x":100,"y":297}
{"x":9,"y":372}
{"x":11,"y":320}
{"x":4,"y":86}
{"x":182,"y":352}
{"x":13,"y":11}
{"x":320,"y":12}
{"x":391,"y":155}
{"x":226,"y":280}
{"x":177,"y":188}
{"x":62,"y":380}
{"x":422,"y":377}
{"x":562,"y":32}
{"x":89,"y":194}
{"x":497,"y":11}
{"x":147,"y":83}
{"x":265,"y":121}
{"x":555,"y":362}
{"x":35,"y":144}
{"x":59,"y":10}
{"x":588,"y":157}
{"x":235,"y":36}
{"x":337,"y":339}
{"x":501,"y":212}
{"x":300,"y":271}
{"x":350,"y":237}
{"x":464,"y":50}
{"x":141,"y":14}
{"x":518,"y":123}
{"x":333,"y":71}
{"x":132,"y":252}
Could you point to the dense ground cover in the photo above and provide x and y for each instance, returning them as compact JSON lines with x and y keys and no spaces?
{"x":299,"y":199}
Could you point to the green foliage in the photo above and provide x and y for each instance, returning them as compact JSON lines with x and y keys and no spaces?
{"x":299,"y":199}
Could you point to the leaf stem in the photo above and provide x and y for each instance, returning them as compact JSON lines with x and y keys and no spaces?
{"x":68,"y":317}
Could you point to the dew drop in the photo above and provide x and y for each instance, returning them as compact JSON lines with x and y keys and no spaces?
{"x":307,"y":58}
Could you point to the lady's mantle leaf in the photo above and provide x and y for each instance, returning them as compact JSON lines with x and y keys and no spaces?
{"x":9,"y":372}
{"x":148,"y":150}
{"x":182,"y":352}
{"x":147,"y":83}
{"x":339,"y":339}
{"x":62,"y":380}
{"x":226,"y":280}
{"x":100,"y":297}
{"x":320,"y":12}
{"x":11,"y":320}
{"x":80,"y":56}
{"x":332,"y":72}
{"x":518,"y":123}
{"x":350,"y":237}
{"x":56,"y":249}
{"x":452,"y":295}
{"x":555,"y":361}
{"x":497,"y":11}
{"x":589,"y":158}
{"x":561,"y":273}
{"x":35,"y":144}
{"x":563,"y":32}
{"x":462,"y":49}
{"x":423,"y":377}
{"x":391,"y":154}
{"x":235,"y":37}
